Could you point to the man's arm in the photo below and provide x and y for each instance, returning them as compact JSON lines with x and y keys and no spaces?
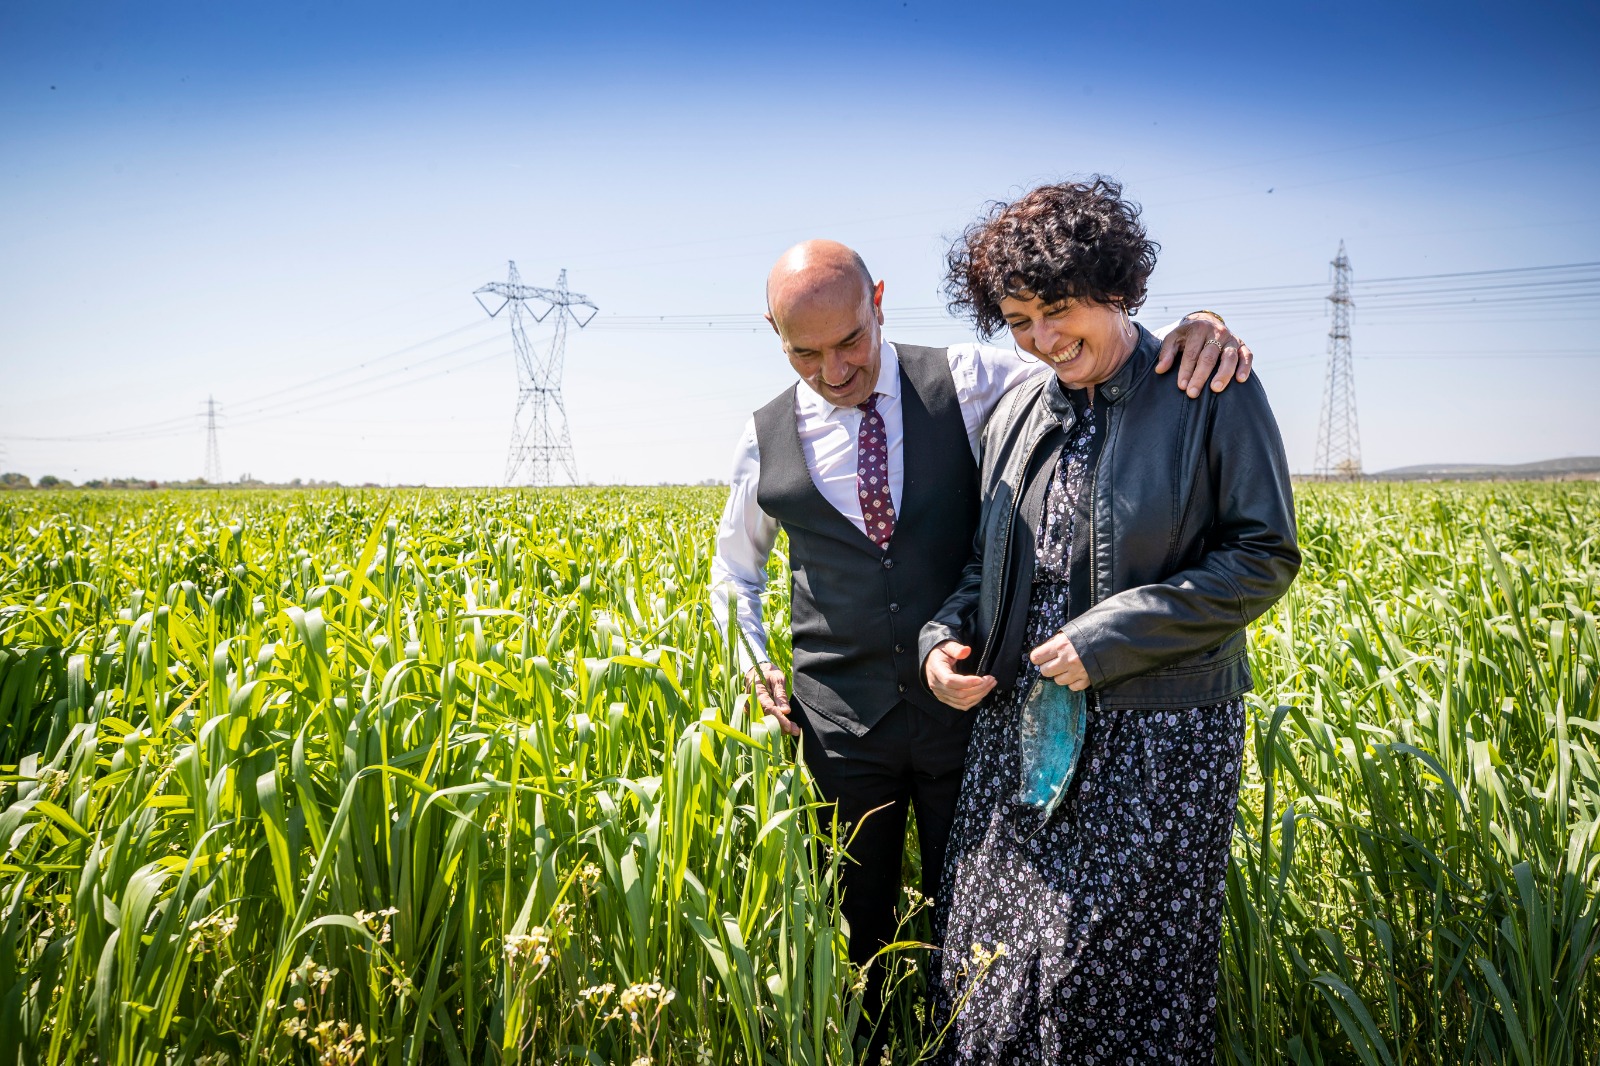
{"x":1201,"y":343}
{"x":745,"y":538}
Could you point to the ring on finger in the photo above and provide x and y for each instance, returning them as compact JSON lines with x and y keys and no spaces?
{"x":1210,"y":341}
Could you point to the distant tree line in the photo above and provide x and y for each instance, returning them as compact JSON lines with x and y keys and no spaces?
{"x":15,"y":481}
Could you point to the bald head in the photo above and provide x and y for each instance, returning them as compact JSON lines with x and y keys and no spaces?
{"x":813,"y":269}
{"x":828,"y":313}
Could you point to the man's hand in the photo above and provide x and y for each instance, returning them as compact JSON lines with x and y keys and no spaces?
{"x":1201,"y":343}
{"x":961,"y":691}
{"x":766,"y":681}
{"x":1057,"y":659}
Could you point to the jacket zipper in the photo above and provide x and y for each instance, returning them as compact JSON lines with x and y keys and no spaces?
{"x":1094,"y":520}
{"x":1095,"y":594}
{"x":1094,"y":536}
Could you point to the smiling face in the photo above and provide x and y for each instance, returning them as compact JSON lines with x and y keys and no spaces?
{"x":1084,"y":343}
{"x":832,"y":335}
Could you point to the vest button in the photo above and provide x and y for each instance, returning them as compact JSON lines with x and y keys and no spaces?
{"x":894,"y":608}
{"x":899,"y":649}
{"x":888,"y":564}
{"x":902,"y":688}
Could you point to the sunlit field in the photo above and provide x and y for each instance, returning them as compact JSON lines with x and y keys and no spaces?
{"x":464,"y":776}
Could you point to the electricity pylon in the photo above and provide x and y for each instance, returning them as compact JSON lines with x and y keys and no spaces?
{"x":540,"y":441}
{"x":1338,"y":435}
{"x":213,"y":473}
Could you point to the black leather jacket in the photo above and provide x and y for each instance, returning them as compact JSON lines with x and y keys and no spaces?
{"x":1192,"y":536}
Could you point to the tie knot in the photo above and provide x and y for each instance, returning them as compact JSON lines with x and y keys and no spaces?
{"x":870,"y":405}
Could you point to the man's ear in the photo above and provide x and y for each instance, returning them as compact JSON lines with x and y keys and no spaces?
{"x":773,"y":324}
{"x":877,"y":300}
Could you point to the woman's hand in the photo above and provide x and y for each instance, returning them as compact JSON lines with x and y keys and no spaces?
{"x":961,"y":691}
{"x":1058,"y":660}
{"x":1200,"y":343}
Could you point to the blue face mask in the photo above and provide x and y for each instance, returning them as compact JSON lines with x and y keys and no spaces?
{"x":1050,"y":738}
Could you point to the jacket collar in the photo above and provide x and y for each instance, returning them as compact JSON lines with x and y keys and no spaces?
{"x":1057,"y":402}
{"x":1120,"y":385}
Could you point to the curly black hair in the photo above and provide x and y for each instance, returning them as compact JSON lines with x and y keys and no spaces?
{"x":1078,"y":240}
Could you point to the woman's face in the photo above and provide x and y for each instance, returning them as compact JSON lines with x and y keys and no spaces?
{"x":1084,"y":343}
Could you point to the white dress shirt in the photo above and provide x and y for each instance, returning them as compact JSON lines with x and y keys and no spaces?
{"x":828,"y":436}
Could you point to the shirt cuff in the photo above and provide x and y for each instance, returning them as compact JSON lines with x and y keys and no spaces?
{"x":749,"y":651}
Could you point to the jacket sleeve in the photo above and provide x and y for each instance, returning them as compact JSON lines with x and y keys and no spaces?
{"x":1251,"y":558}
{"x":745,"y":539}
{"x":957,"y":618}
{"x":954,"y":620}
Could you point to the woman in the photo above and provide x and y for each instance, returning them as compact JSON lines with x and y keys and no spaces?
{"x":1127,"y":537}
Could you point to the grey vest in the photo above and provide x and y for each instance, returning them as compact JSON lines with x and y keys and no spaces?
{"x":856,"y":610}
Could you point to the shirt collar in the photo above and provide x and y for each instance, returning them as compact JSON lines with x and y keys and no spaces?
{"x":888,"y":386}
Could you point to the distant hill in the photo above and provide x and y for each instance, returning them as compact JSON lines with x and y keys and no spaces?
{"x":1582,"y":466}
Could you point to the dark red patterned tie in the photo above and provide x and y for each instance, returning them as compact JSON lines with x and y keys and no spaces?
{"x":872,"y":474}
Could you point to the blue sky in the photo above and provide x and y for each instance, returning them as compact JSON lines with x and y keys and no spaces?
{"x":287,"y":207}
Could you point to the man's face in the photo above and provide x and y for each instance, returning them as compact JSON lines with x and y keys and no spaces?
{"x":832,"y":338}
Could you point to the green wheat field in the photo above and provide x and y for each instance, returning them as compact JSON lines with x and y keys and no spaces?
{"x":465,"y":777}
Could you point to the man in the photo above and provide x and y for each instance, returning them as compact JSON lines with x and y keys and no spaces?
{"x":869,"y":464}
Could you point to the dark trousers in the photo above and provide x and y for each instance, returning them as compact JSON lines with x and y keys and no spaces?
{"x":912,"y":759}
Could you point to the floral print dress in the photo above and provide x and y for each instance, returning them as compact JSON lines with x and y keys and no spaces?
{"x":1092,"y":937}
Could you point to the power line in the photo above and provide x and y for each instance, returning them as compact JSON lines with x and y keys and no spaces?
{"x":1497,"y":355}
{"x":177,"y":427}
{"x":1590,"y":265}
{"x":310,"y":406}
{"x":364,"y":364}
{"x":1377,"y":294}
{"x":356,"y":389}
{"x":1554,"y":291}
{"x":173,"y":427}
